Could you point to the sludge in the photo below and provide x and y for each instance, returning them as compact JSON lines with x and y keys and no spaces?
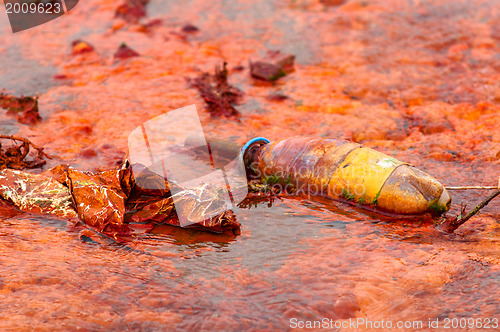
{"x":340,"y":169}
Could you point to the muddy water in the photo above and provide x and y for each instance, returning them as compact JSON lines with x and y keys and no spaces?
{"x":414,"y":79}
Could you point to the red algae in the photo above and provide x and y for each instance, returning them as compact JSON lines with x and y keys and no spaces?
{"x":415,"y":80}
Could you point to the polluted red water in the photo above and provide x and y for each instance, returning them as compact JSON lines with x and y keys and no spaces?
{"x":416,"y":80}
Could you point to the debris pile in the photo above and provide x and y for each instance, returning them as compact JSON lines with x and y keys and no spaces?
{"x":109,"y":202}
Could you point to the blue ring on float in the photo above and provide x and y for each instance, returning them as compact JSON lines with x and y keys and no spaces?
{"x":253,"y":141}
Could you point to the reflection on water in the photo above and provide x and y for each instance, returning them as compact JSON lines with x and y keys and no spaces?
{"x":296,"y":259}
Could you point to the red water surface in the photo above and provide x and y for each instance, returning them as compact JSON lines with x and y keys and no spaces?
{"x":418,"y":80}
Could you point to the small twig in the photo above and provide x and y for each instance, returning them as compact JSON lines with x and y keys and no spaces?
{"x":472,"y":187}
{"x":26,"y":142}
{"x":479,"y":206}
{"x":460,"y":219}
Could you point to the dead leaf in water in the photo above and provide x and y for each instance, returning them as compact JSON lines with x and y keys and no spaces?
{"x":218,"y":94}
{"x":25,"y":108}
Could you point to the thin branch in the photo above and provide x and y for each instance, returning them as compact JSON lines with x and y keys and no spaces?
{"x":26,"y":143}
{"x":460,"y":219}
{"x":472,"y":187}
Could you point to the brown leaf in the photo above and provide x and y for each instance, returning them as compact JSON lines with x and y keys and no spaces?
{"x":79,"y":47}
{"x":25,"y":108}
{"x":125,"y":52}
{"x":132,"y":10}
{"x":218,"y":94}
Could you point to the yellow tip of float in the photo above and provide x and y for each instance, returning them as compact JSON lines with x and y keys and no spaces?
{"x":369,"y":177}
{"x":411,"y":191}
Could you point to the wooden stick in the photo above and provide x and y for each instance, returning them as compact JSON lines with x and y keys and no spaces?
{"x":26,"y":143}
{"x":472,"y":187}
{"x":459,"y":220}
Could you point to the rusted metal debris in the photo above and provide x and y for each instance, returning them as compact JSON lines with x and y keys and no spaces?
{"x":218,"y":94}
{"x":14,"y":156}
{"x":25,"y":108}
